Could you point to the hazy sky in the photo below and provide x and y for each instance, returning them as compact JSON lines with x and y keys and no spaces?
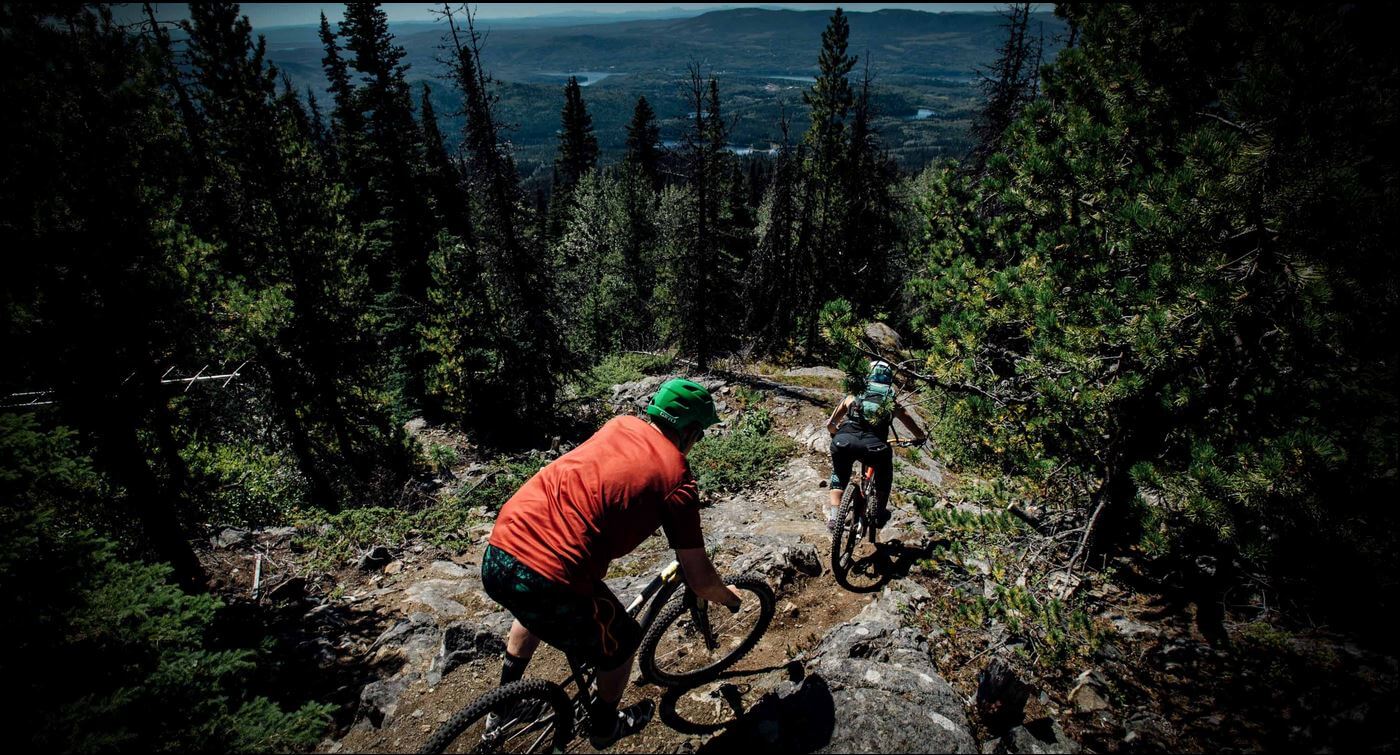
{"x":263,"y":15}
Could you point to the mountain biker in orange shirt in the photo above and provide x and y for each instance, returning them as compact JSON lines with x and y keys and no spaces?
{"x":554,"y":539}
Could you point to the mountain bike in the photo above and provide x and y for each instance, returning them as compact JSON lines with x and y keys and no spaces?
{"x":856,"y":518}
{"x":683,"y":644}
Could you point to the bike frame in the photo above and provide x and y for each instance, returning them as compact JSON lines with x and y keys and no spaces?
{"x":652,"y":597}
{"x":866,"y":491}
{"x":653,"y":604}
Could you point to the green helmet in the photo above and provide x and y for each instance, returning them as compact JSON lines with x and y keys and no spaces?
{"x":682,"y":403}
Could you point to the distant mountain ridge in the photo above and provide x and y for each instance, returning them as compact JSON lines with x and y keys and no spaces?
{"x":921,"y":62}
{"x":746,"y":39}
{"x":897,"y":41}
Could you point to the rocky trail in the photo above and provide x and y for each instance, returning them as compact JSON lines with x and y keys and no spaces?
{"x":836,"y":670}
{"x":404,"y":638}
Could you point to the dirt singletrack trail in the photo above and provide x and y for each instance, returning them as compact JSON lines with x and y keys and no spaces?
{"x":776,"y":529}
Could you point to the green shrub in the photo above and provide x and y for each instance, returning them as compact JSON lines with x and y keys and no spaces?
{"x":106,"y":654}
{"x":968,"y":522}
{"x":333,"y":539}
{"x":1005,"y":589}
{"x":441,"y":457}
{"x":45,"y":467}
{"x":742,"y":457}
{"x":493,"y":491}
{"x":597,"y":382}
{"x":245,"y":483}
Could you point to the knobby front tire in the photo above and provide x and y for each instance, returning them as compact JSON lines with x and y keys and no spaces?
{"x":872,"y":494}
{"x":843,"y":542}
{"x":674,"y":634}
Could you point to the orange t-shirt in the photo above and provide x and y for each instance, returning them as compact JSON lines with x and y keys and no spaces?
{"x":600,"y":501}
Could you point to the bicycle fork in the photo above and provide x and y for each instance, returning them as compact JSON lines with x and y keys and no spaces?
{"x":700,"y":614}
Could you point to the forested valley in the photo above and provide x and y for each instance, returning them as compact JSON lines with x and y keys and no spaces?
{"x":1147,"y":315}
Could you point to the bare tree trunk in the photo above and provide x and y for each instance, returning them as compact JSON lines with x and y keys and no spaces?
{"x":322,"y":494}
{"x":154,"y":505}
{"x":1086,"y":540}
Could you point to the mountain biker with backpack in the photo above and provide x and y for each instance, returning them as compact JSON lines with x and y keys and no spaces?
{"x":553,"y":540}
{"x":860,"y":428}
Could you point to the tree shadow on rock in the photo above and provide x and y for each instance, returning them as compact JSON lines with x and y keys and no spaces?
{"x":887,"y":561}
{"x":1190,"y":590}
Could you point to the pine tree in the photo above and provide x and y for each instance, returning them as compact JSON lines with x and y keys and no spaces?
{"x":444,"y":174}
{"x":825,"y":244}
{"x":1008,"y":85}
{"x":393,"y":192}
{"x":319,"y":134}
{"x":578,"y":147}
{"x":830,"y":99}
{"x":774,"y":282}
{"x":835,"y":224}
{"x":346,"y":127}
{"x":455,"y":334}
{"x":529,"y":356}
{"x":577,"y":155}
{"x":874,"y":218}
{"x":106,"y":283}
{"x":607,"y":266}
{"x":290,"y":104}
{"x":1156,"y":313}
{"x":644,"y":142}
{"x":699,"y":288}
{"x":298,"y":273}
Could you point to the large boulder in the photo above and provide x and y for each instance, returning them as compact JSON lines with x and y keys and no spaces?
{"x":379,"y":701}
{"x":870,"y":686}
{"x":635,"y":395}
{"x":376,"y":558}
{"x":887,"y":692}
{"x":883,"y":339}
{"x":436,"y":595}
{"x":781,"y":563}
{"x":229,"y":537}
{"x":813,"y":437}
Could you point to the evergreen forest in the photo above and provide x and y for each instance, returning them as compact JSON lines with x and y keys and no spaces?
{"x":1150,"y":300}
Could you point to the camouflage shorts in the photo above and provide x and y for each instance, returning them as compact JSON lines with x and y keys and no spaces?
{"x":594,"y":627}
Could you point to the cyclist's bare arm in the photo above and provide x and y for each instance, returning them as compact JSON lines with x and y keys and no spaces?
{"x":702,"y":578}
{"x":840,"y":413}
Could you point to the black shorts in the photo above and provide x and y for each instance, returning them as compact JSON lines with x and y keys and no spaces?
{"x":847,"y":448}
{"x":593,"y":628}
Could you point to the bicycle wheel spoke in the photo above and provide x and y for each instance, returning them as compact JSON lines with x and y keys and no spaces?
{"x":541,"y":724}
{"x":683,"y":648}
{"x":525,"y":716}
{"x":543,"y":732}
